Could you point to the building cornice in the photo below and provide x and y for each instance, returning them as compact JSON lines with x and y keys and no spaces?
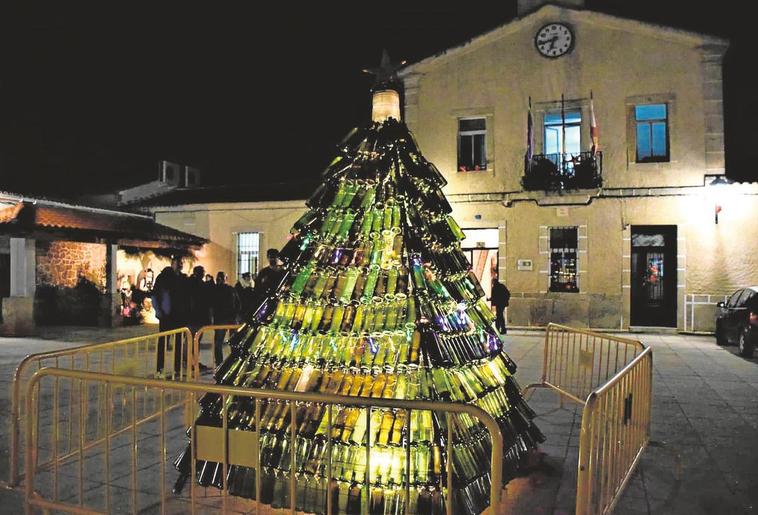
{"x":709,"y":43}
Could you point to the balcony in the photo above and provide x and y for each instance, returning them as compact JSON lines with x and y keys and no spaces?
{"x":561,"y":172}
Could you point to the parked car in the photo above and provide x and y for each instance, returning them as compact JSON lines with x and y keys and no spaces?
{"x":737,"y":320}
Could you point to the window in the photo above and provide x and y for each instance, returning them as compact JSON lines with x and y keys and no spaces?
{"x":248,"y":252}
{"x":651,"y":129}
{"x":556,"y":127}
{"x":472,"y":147}
{"x":563,"y":259}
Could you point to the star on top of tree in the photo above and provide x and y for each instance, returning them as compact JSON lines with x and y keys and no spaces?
{"x":385,"y":75}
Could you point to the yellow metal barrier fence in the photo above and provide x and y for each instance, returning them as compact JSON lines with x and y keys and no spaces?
{"x":611,"y":377}
{"x":224,"y":330}
{"x":615,"y":432}
{"x":139,"y":356}
{"x":61,"y":484}
{"x":576,"y":361}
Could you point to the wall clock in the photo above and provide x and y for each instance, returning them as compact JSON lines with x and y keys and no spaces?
{"x":554,"y":40}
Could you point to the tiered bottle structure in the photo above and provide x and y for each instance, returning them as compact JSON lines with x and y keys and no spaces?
{"x":377,"y":301}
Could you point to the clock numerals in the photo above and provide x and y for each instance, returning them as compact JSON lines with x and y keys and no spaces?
{"x":554,"y":40}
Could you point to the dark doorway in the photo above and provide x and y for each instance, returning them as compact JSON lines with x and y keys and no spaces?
{"x":654,"y":275}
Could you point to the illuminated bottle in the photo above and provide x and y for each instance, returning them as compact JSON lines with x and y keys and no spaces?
{"x":391,"y":281}
{"x":350,"y":281}
{"x":350,"y":190}
{"x":386,"y":428}
{"x":329,"y":221}
{"x":360,"y":283}
{"x":347,"y":224}
{"x":377,"y":219}
{"x":302,"y":278}
{"x":368,"y":197}
{"x":354,"y":499}
{"x":371,"y":278}
{"x":348,"y":318}
{"x":376,"y":506}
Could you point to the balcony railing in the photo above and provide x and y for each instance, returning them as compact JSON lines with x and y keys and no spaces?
{"x":559,"y":172}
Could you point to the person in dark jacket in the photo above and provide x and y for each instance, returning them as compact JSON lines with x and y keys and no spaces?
{"x":245,"y":293}
{"x":201,"y":293}
{"x":226,"y":307}
{"x":169,"y":297}
{"x":500,"y":299}
{"x":269,"y":277}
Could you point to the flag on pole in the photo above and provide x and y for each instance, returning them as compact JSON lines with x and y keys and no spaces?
{"x":594,"y":131}
{"x":529,"y":134}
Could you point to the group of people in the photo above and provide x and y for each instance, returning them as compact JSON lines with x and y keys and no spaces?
{"x":197,"y":300}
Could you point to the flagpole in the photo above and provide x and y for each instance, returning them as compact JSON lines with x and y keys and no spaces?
{"x":563,"y":132}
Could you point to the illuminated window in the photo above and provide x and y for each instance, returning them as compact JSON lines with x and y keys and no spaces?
{"x":472,"y":146}
{"x":248,"y":252}
{"x":563,"y":129}
{"x":652,"y":133}
{"x":563,"y":259}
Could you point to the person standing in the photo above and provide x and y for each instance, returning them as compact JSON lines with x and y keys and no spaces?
{"x":501,"y":297}
{"x":244,"y":289}
{"x":226,"y":306}
{"x":269,"y":277}
{"x":200,"y":299}
{"x":169,"y":301}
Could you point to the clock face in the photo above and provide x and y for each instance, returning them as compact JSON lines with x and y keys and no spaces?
{"x":554,"y":40}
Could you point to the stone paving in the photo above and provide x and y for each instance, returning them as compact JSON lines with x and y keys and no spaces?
{"x":703,"y":455}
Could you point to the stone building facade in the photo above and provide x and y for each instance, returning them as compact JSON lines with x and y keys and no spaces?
{"x":637,"y":234}
{"x":651,"y":243}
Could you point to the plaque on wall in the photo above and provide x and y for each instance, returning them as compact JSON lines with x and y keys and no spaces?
{"x":524,"y":264}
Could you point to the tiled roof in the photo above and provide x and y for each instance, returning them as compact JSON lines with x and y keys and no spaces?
{"x":25,"y":215}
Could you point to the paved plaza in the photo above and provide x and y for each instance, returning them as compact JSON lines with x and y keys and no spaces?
{"x":703,"y":455}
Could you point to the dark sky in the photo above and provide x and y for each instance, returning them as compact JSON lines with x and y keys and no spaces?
{"x":92,"y":99}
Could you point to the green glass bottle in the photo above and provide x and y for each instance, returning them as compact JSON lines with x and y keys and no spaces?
{"x":368,"y":197}
{"x":350,"y":281}
{"x":350,"y":190}
{"x":347,"y":224}
{"x":455,"y":228}
{"x":302,"y":278}
{"x":371,"y":278}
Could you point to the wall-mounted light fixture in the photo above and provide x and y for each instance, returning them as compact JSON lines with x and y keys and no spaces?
{"x":715,"y":186}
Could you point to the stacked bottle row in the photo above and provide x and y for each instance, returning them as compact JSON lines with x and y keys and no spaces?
{"x":467,"y":383}
{"x":386,"y":350}
{"x":348,"y":497}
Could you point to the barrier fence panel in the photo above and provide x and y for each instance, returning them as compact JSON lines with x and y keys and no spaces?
{"x":137,"y":357}
{"x":129,"y":468}
{"x":219,"y":337}
{"x":615,"y":431}
{"x":611,"y":377}
{"x":576,"y":361}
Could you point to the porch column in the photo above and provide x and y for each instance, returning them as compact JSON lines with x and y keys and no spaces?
{"x":18,"y":309}
{"x":110,"y":310}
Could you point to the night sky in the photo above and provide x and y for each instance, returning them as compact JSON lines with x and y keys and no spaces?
{"x":92,"y":99}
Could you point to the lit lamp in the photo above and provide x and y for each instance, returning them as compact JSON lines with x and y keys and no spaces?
{"x":716,"y":188}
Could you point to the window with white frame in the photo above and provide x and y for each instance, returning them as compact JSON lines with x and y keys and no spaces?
{"x":652,"y":133}
{"x":562,"y":129}
{"x":472,"y":144}
{"x":248,"y":252}
{"x":564,"y":268}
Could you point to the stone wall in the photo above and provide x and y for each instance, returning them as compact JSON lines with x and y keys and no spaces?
{"x":62,"y":263}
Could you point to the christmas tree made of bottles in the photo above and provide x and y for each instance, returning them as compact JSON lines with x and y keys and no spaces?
{"x":377,"y":301}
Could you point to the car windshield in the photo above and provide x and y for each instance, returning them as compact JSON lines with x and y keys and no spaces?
{"x":746,"y":297}
{"x":733,"y":299}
